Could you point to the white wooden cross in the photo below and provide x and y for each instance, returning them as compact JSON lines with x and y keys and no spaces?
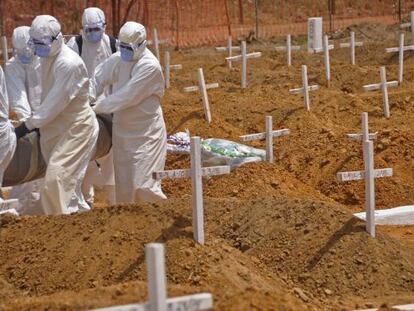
{"x":157,"y":289}
{"x":364,"y":136}
{"x":306,"y":88}
{"x":383,"y":85}
{"x":9,"y":206}
{"x":243,"y":58}
{"x":326,"y":48}
{"x":268,"y":136}
{"x":288,"y":48}
{"x":368,"y":174}
{"x":203,"y":87}
{"x":195,"y":173}
{"x":352,"y":44}
{"x":230,"y":48}
{"x":323,"y":48}
{"x":156,"y":43}
{"x":168,"y":67}
{"x":410,"y":24}
{"x":400,"y":49}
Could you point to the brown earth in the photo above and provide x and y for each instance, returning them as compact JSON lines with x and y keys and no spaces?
{"x":279,"y":236}
{"x":256,"y":250}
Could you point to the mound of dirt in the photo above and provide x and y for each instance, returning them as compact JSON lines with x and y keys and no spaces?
{"x":320,"y":247}
{"x":373,"y":32}
{"x":67,"y":254}
{"x":260,"y":179}
{"x":255,"y":251}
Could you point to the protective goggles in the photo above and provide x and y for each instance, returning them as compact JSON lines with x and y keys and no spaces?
{"x":96,"y":27}
{"x":45,"y":41}
{"x":130,"y":46}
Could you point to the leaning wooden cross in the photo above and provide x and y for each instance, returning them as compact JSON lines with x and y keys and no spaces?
{"x":400,"y":49}
{"x":352,"y":44}
{"x":195,"y":173}
{"x":9,"y":206}
{"x":268,"y":136}
{"x":306,"y":88}
{"x":168,"y":67}
{"x":383,"y":85}
{"x":243,"y":58}
{"x":155,"y":42}
{"x":230,"y":48}
{"x":157,"y":289}
{"x":410,"y":25}
{"x":203,"y":87}
{"x":288,"y":48}
{"x":368,"y":174}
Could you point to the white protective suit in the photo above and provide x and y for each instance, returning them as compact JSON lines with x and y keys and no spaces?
{"x":68,"y":126}
{"x":7,"y":136}
{"x":23,"y":80}
{"x":93,"y":54}
{"x":139,"y":134}
{"x":24,"y":90}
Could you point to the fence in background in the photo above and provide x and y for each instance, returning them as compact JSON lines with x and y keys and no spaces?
{"x":204,"y":22}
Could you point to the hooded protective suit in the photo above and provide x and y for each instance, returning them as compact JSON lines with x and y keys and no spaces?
{"x":139,"y":134}
{"x":68,"y":126}
{"x":23,"y":79}
{"x":7,"y":136}
{"x":94,"y":53}
{"x":22,"y":74}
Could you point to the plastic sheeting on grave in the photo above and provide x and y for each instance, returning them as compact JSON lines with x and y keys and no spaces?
{"x":215,"y":151}
{"x":398,"y":216}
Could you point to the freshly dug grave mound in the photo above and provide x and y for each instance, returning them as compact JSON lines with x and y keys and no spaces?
{"x":260,"y":179}
{"x":259,"y":253}
{"x":319,"y":246}
{"x":371,"y":32}
{"x":58,"y":258}
{"x":136,"y":292}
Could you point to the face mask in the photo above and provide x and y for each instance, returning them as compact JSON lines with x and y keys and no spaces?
{"x":42,"y":47}
{"x":94,"y":36}
{"x":25,"y":58}
{"x":42,"y":50}
{"x":127,"y":54}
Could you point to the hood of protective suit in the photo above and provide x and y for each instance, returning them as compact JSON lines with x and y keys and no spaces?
{"x":20,"y":38}
{"x":92,"y":17}
{"x":134,"y":34}
{"x":46,"y":26}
